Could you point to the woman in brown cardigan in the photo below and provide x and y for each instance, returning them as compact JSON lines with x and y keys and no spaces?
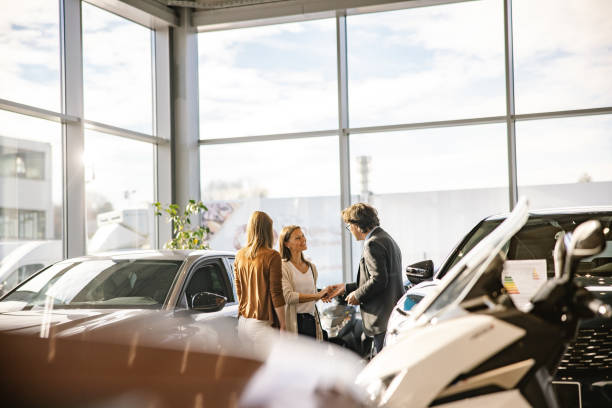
{"x":257,"y":274}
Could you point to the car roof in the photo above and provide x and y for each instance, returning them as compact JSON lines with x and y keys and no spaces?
{"x":153,"y":254}
{"x":544,"y":212}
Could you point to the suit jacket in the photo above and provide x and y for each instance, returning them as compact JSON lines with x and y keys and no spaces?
{"x":379,"y":281}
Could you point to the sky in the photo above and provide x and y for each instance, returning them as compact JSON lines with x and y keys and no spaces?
{"x":425,"y":64}
{"x":117,"y":89}
{"x":434,"y":63}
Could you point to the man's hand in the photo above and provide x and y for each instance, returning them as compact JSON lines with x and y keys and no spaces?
{"x":351,"y":299}
{"x":333,"y":291}
{"x":323,"y":293}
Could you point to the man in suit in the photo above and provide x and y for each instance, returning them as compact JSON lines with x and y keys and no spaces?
{"x":379,"y":279}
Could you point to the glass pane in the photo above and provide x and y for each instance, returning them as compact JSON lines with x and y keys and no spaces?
{"x":30,"y":196}
{"x":562,"y":61}
{"x":30,"y":49}
{"x":101,"y":284}
{"x":565,"y":162}
{"x":430,"y":186}
{"x":294,"y":181}
{"x":119,"y":182}
{"x":117,"y":73}
{"x":426,"y":64}
{"x":268,"y":80}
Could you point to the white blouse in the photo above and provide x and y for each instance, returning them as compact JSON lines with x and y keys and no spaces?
{"x":304,"y":283}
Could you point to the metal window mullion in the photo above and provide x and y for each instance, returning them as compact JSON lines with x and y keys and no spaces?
{"x":343,"y":140}
{"x":267,"y":138}
{"x":74,"y":214}
{"x":36,"y":112}
{"x":564,"y":114}
{"x":163,"y":129}
{"x":185,"y":89}
{"x":510,"y":110}
{"x":428,"y":125}
{"x":121,"y":132}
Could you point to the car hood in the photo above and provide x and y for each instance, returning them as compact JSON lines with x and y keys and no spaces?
{"x":65,"y":322}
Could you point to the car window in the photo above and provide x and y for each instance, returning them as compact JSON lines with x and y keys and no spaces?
{"x":19,"y":275}
{"x":100,"y":284}
{"x":207,"y":278}
{"x":536,"y":240}
{"x":473,"y":238}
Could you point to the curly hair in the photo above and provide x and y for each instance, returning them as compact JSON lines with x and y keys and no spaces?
{"x":363,"y":215}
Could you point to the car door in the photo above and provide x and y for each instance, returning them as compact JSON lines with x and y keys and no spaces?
{"x":210,"y":275}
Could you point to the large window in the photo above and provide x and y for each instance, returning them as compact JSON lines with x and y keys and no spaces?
{"x":29,"y":45}
{"x":430,"y":186}
{"x":562,"y":60}
{"x":268,"y":80}
{"x":44,"y":44}
{"x":565,"y":162}
{"x":426,"y":64}
{"x":294,"y":181}
{"x":119,"y":185}
{"x":117,"y":71}
{"x":30,"y":196}
{"x":407,"y":70}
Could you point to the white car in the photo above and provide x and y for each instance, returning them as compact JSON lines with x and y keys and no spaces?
{"x":535,"y":240}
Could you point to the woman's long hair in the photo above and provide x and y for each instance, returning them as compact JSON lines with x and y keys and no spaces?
{"x":282,"y":240}
{"x":259,"y":233}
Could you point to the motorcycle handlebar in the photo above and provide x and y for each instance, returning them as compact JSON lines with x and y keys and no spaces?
{"x":600,"y":308}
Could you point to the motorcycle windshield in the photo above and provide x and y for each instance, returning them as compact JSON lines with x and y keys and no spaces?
{"x":466,"y":273}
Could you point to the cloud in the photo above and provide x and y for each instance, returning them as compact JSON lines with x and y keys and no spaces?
{"x":117,"y":71}
{"x":269,"y":92}
{"x":284,"y":168}
{"x":29,"y":37}
{"x":562,"y":61}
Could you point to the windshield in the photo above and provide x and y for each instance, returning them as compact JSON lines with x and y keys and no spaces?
{"x":534,"y":241}
{"x":99,"y":284}
{"x":474,"y":237}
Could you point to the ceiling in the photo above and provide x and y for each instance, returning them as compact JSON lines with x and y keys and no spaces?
{"x":215,"y":4}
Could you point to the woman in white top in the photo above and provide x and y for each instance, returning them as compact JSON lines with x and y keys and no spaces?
{"x":299,"y":279}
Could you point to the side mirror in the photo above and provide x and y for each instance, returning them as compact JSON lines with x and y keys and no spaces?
{"x":207,"y":302}
{"x":420,"y":272}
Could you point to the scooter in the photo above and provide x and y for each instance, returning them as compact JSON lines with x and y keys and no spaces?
{"x":468,"y":345}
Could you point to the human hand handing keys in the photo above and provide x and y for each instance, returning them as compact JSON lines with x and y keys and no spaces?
{"x":322,"y":294}
{"x":333,"y":291}
{"x":351,"y":299}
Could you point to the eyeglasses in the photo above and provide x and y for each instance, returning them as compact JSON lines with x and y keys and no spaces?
{"x":348,"y":227}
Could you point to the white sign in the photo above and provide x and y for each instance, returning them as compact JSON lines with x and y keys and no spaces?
{"x":522,"y":279}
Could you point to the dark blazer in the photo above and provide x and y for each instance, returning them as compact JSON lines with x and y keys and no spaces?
{"x":379,"y":281}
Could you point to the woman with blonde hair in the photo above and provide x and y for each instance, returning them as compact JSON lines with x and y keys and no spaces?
{"x":299,"y":284}
{"x":257,"y":275}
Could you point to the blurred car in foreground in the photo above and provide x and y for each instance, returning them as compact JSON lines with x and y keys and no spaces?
{"x":143,"y":329}
{"x":588,"y":361}
{"x":161,"y":359}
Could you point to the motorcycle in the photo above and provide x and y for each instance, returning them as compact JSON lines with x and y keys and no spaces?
{"x":468,"y":344}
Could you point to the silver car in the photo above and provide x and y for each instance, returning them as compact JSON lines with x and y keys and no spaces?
{"x":197,"y":282}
